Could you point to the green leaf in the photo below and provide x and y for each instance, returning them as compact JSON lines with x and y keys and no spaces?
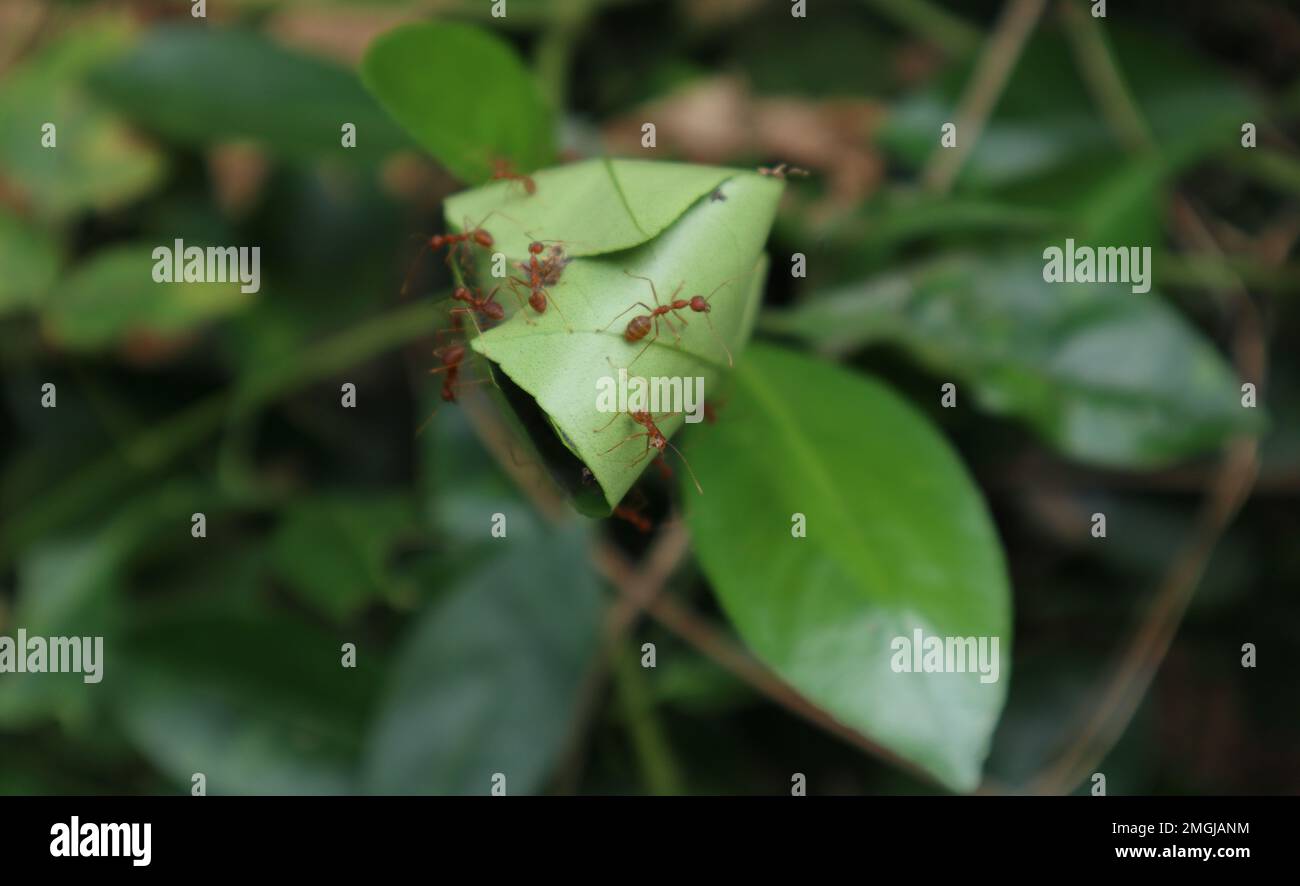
{"x":96,"y":162}
{"x":898,"y":539}
{"x":113,"y":295}
{"x":595,"y":206}
{"x":334,"y":550}
{"x":490,"y":677}
{"x":30,"y":259}
{"x":1104,"y":374}
{"x":204,"y":85}
{"x":713,"y":243}
{"x":258,"y":705}
{"x":464,"y":95}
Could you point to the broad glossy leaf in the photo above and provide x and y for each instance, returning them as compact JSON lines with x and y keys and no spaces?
{"x":490,"y":676}
{"x":204,"y":85}
{"x":898,"y":538}
{"x":97,"y":162}
{"x":559,"y":359}
{"x":30,"y":260}
{"x":259,"y":705}
{"x":1104,"y":374}
{"x":113,"y":295}
{"x":464,"y":95}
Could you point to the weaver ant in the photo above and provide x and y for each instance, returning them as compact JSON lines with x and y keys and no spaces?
{"x":485,"y":305}
{"x":655,"y":440}
{"x":542,"y":274}
{"x":631,"y":515}
{"x":639,"y":326}
{"x":503,"y":170}
{"x":781,"y":170}
{"x":472,"y":235}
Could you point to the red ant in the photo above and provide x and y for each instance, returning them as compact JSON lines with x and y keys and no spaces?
{"x":655,"y":440}
{"x":451,"y":357}
{"x":503,"y":170}
{"x":781,"y":170}
{"x":472,"y":235}
{"x":487,"y":306}
{"x":638,"y":520}
{"x":639,"y":326}
{"x":542,"y":273}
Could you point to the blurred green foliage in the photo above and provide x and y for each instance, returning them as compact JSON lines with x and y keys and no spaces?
{"x":367,"y":526}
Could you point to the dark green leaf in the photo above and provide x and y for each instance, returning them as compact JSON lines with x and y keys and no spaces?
{"x":259,"y":706}
{"x":334,"y":551}
{"x":489,"y":679}
{"x":205,"y":85}
{"x":464,"y":95}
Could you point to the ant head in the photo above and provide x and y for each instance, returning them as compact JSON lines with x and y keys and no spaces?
{"x":482,"y":237}
{"x":536,"y":247}
{"x":700,"y":304}
{"x":493,"y":311}
{"x":462,"y":293}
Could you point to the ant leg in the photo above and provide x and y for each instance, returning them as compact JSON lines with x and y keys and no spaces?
{"x":640,"y":458}
{"x":559,"y":311}
{"x":653,"y":292}
{"x":514,"y":283}
{"x":639,"y":304}
{"x":646,"y":348}
{"x":608,"y":423}
{"x":624,"y":440}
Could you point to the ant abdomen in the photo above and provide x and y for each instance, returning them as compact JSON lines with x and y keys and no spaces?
{"x":637,"y":328}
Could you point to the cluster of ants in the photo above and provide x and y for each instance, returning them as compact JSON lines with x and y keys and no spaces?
{"x":541,"y":272}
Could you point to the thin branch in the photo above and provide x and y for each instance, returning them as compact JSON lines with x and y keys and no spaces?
{"x":1102,"y":76}
{"x":953,"y":34}
{"x":989,"y":79}
{"x":636,"y":589}
{"x":714,"y":645}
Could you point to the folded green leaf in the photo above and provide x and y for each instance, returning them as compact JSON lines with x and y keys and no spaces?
{"x":464,"y":95}
{"x":898,"y":539}
{"x":595,"y":206}
{"x":1105,"y":374}
{"x":563,"y":357}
